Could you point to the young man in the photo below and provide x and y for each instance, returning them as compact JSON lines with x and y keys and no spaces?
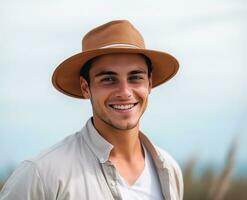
{"x":109,"y":158}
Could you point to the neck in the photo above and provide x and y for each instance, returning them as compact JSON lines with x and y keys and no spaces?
{"x":126,"y":142}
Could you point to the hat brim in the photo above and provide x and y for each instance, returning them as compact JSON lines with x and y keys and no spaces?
{"x":66,"y":77}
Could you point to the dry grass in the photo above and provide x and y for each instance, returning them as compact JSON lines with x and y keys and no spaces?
{"x":221,"y":185}
{"x":198,"y":188}
{"x":210,"y":186}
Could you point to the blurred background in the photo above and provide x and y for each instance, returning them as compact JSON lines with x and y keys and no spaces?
{"x":199,"y":117}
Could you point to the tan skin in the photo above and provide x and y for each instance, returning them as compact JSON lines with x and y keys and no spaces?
{"x":119,"y":89}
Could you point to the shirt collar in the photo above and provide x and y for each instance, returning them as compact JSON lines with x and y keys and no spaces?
{"x":100,"y":147}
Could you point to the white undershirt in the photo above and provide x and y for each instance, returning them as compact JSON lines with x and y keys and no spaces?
{"x":146,"y":187}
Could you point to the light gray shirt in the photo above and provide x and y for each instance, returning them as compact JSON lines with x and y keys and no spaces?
{"x":78,"y":168}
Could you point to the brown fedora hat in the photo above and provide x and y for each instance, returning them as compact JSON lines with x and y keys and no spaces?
{"x":114,"y":37}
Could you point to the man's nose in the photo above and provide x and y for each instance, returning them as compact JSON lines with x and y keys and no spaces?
{"x":124,"y":90}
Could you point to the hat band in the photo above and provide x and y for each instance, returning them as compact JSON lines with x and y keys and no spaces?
{"x":119,"y":45}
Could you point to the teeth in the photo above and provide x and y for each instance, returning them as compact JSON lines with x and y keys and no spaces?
{"x":123,"y":107}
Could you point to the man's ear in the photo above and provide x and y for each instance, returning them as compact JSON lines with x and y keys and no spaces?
{"x":85,"y":88}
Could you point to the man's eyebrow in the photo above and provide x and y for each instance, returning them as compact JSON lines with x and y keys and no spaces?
{"x":137,"y":72}
{"x":102,"y":73}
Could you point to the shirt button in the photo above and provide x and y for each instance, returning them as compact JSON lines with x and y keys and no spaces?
{"x":113,"y":183}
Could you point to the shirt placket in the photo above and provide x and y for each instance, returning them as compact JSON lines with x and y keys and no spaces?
{"x":109,"y":171}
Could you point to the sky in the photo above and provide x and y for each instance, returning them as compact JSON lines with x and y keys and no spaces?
{"x":198,"y":113}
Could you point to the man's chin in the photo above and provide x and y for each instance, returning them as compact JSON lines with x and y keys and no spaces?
{"x":125,"y":126}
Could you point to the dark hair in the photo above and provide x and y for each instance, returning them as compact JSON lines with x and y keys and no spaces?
{"x":84,"y":71}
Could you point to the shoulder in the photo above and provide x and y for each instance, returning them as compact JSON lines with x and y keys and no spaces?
{"x":174,"y":168}
{"x":59,"y":151}
{"x":60,"y":159}
{"x":168,"y":159}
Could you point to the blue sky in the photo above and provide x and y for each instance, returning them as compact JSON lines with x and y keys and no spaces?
{"x":199,"y":112}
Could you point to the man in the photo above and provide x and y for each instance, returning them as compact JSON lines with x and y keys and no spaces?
{"x":109,"y":158}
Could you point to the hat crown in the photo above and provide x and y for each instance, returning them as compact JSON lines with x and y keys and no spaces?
{"x":115,"y":33}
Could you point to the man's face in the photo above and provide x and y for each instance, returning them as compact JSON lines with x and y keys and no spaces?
{"x":119,"y":89}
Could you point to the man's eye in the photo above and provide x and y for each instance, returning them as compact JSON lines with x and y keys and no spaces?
{"x":108,"y":79}
{"x":135,"y":77}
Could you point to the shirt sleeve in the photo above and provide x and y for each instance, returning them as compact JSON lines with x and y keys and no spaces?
{"x":24,"y":184}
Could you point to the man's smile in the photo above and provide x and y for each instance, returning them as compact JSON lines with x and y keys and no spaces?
{"x":123,"y":107}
